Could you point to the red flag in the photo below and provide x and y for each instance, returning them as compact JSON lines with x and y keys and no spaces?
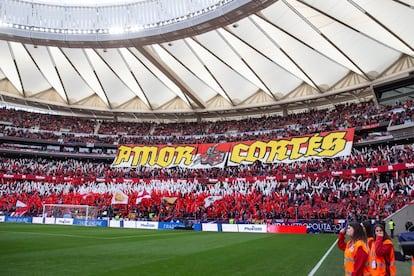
{"x":21,"y":209}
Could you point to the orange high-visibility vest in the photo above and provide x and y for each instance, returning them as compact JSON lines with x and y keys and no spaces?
{"x":412,"y":265}
{"x":380,"y":269}
{"x":370,"y":240}
{"x":349,"y":257}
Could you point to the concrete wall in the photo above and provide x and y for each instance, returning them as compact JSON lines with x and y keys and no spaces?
{"x":400,"y":218}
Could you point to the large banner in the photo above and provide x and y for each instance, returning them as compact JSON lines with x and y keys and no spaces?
{"x":318,"y":145}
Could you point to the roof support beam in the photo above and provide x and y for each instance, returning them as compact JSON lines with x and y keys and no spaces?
{"x":17,"y":70}
{"x":381,"y":24}
{"x":324,"y":37}
{"x":157,"y":62}
{"x":269,"y":91}
{"x":286,"y":54}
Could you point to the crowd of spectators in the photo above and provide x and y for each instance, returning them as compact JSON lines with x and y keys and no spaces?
{"x":364,"y":158}
{"x":325,"y":196}
{"x":321,"y":197}
{"x":73,"y":129}
{"x":403,"y":115}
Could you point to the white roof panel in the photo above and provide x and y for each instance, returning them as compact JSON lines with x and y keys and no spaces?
{"x":7,"y":65}
{"x":77,"y":78}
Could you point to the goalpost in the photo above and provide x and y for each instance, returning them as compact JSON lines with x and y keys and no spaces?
{"x":69,"y":211}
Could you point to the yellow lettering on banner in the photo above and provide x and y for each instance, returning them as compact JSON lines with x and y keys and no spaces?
{"x":184,"y":153}
{"x":278,"y":150}
{"x":165,"y":156}
{"x":151,"y":156}
{"x":272,"y":151}
{"x":257,"y":151}
{"x":124,"y":154}
{"x":333,"y":143}
{"x":144,"y":156}
{"x":296,"y":145}
{"x":235,"y":155}
{"x":314,"y":144}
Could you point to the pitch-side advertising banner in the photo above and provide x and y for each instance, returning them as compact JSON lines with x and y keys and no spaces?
{"x":147,"y":225}
{"x":67,"y":221}
{"x":252,"y":228}
{"x":318,"y":145}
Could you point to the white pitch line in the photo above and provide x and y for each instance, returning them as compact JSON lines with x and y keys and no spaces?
{"x":323,"y":259}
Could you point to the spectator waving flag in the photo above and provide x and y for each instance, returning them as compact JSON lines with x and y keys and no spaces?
{"x":119,"y":197}
{"x":141,"y":195}
{"x":210,"y":200}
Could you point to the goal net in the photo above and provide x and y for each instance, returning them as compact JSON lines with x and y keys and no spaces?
{"x":79,"y":212}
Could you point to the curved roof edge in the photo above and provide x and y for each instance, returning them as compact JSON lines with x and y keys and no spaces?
{"x":231,"y":12}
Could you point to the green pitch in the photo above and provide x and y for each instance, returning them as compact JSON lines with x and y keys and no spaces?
{"x":27,"y":249}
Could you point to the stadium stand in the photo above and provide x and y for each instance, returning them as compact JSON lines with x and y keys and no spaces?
{"x":66,"y":160}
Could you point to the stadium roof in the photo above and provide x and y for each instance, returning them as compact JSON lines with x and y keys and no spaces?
{"x":188,"y":60}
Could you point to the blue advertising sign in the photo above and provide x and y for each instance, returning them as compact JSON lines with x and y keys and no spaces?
{"x":91,"y":222}
{"x":169,"y":225}
{"x":18,"y":219}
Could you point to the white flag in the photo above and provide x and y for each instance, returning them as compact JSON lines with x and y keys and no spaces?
{"x":210,"y":200}
{"x":20,"y":204}
{"x":119,"y":198}
{"x":141,"y":196}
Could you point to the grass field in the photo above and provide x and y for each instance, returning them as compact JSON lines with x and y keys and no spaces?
{"x":27,"y":249}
